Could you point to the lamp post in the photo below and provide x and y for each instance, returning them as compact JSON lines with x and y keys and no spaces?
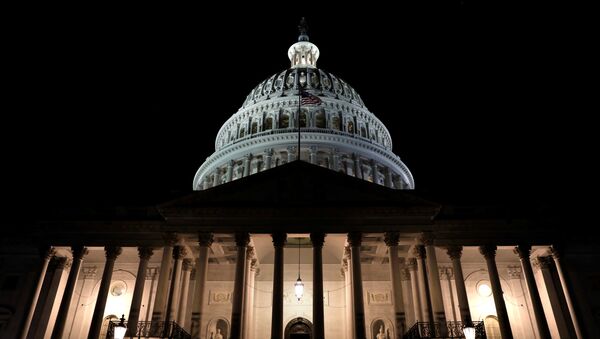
{"x":120,"y":329}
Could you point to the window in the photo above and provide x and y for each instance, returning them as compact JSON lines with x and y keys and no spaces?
{"x":320,"y":119}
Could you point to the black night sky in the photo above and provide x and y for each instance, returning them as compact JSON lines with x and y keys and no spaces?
{"x":121,"y":106}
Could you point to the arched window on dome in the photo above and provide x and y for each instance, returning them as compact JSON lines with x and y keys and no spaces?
{"x":254,"y":128}
{"x":335,"y":122}
{"x":363,"y":132}
{"x":303,"y":118}
{"x":242,"y":132}
{"x":284,"y":120}
{"x":320,"y":121}
{"x":350,"y":127}
{"x":268,"y":124}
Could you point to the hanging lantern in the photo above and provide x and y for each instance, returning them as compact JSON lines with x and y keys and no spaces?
{"x":469,"y":332}
{"x":299,"y":288}
{"x":120,"y":329}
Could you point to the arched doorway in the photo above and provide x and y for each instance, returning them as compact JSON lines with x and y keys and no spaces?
{"x":299,"y":328}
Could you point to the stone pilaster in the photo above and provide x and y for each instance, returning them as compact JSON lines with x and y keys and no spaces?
{"x":187,"y":265}
{"x":162,"y":288}
{"x":411,"y":264}
{"x":420,"y":253}
{"x":144,"y":253}
{"x":455,"y":253}
{"x":179,"y":253}
{"x":391,"y":240}
{"x":205,"y":240}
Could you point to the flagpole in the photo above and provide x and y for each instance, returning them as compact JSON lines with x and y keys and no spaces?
{"x":299,"y":108}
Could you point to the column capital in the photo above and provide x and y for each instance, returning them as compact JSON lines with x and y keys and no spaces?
{"x":419,"y":251}
{"x":545,"y":262}
{"x":317,"y":239}
{"x":205,"y":239}
{"x":426,"y":238}
{"x":556,"y":251}
{"x":112,"y":252}
{"x":242,"y":239}
{"x":454,"y":252}
{"x":411,"y":264}
{"x":345,"y":265}
{"x":254,"y":264}
{"x":79,"y":252}
{"x":279,"y":239}
{"x":46,"y":252}
{"x":170,"y":238}
{"x":179,"y":252}
{"x":391,"y":238}
{"x":523,"y":251}
{"x":250,"y":252}
{"x":188,"y":264}
{"x":347,"y":252}
{"x":60,"y":263}
{"x":145,"y":253}
{"x":355,"y":239}
{"x":488,"y":251}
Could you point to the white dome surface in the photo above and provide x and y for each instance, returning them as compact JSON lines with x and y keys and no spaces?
{"x":338,"y":133}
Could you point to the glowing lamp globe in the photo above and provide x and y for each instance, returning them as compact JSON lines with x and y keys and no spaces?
{"x":469,"y":332}
{"x":299,"y":288}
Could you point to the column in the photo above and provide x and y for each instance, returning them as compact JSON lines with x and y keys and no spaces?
{"x":249,"y":328}
{"x":455,"y":252}
{"x":435,"y":288}
{"x":317,"y":240}
{"x":46,"y":253}
{"x":489,"y":252}
{"x":279,"y":240}
{"x":336,"y":160}
{"x":411,"y":263}
{"x":556,"y":254}
{"x":355,"y":240}
{"x":313,"y":155}
{"x":388,"y":178}
{"x":357,"y":166}
{"x":215,"y":178}
{"x":43,"y":325}
{"x":391,"y":240}
{"x":349,"y":304}
{"x":241,"y":240}
{"x":145,"y":253}
{"x":162,"y":288}
{"x":407,"y":295}
{"x":112,"y":252}
{"x":541,"y":323}
{"x":205,"y":240}
{"x":229,"y":173}
{"x":268,"y":158}
{"x":247,"y":165}
{"x":63,"y":312}
{"x":374,"y":171}
{"x":178,"y":254}
{"x":426,"y":309}
{"x":557,"y":302}
{"x":185,"y":290}
{"x":246,"y":305}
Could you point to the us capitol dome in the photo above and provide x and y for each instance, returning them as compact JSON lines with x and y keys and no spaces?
{"x":337,"y":131}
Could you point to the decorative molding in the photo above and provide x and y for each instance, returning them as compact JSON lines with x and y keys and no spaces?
{"x":379,"y":297}
{"x":219,"y":297}
{"x":89,"y":272}
{"x":514,"y":272}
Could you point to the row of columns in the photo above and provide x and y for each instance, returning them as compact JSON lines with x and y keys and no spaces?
{"x":424,"y":278}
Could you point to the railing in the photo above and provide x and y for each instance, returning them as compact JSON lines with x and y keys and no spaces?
{"x":447,"y":330}
{"x":152,"y":329}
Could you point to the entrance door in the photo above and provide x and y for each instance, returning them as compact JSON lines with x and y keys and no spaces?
{"x":298,"y":328}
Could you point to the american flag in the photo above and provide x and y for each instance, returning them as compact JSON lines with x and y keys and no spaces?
{"x":309,"y":99}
